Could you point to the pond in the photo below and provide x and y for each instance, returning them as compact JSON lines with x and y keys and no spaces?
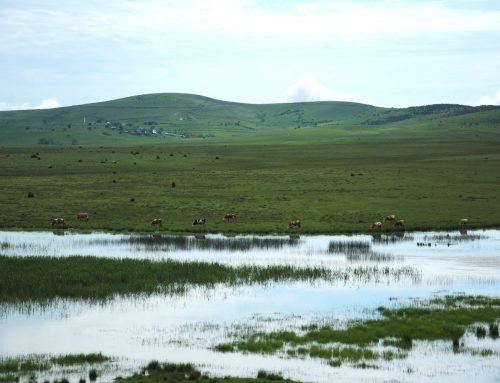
{"x":186,"y":327}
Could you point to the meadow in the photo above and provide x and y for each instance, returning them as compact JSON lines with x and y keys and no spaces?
{"x":330,"y":187}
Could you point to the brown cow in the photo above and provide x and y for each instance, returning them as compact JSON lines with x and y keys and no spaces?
{"x":463,"y":222}
{"x":377,"y":225}
{"x":294,"y":223}
{"x":229,"y":217}
{"x":57,"y":221}
{"x":390,"y":218}
{"x":156,"y":222}
{"x":82,"y":216}
{"x":199,"y":221}
{"x":400,"y":223}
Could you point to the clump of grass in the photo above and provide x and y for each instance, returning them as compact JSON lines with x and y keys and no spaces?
{"x":493,"y":330}
{"x":71,"y":359}
{"x":401,"y":343}
{"x":480,"y":332}
{"x":269,"y":375}
{"x":92,"y":375}
{"x":185,"y":373}
{"x":9,"y":378}
{"x":335,"y":363}
{"x":20,"y":364}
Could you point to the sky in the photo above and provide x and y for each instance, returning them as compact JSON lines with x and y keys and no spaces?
{"x":387,"y":53}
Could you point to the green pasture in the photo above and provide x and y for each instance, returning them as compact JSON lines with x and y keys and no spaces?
{"x":330,"y":187}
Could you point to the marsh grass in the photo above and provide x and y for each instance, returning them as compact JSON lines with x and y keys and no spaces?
{"x":157,"y":372}
{"x":24,"y":364}
{"x":438,"y":319}
{"x":36,"y":362}
{"x":9,"y":378}
{"x":25,"y":279}
{"x":71,"y":359}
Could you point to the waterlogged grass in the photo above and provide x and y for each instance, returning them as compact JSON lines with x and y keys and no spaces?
{"x":71,"y":359}
{"x":438,"y":319}
{"x":12,"y":369}
{"x":24,"y":364}
{"x":41,"y":278}
{"x":184,"y":373}
{"x":29,"y":363}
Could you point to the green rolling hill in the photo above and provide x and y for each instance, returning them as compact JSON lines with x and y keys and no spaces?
{"x":173,"y":116}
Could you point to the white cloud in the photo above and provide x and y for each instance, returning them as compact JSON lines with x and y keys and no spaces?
{"x":489,"y":100}
{"x":10,"y":106}
{"x":306,"y":88}
{"x":48,"y":104}
{"x":45,"y":104}
{"x":154,"y":21}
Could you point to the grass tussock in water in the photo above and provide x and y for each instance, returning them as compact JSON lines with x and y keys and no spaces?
{"x":438,"y":319}
{"x":70,"y":359}
{"x":187,"y":373}
{"x":11,"y":367}
{"x":41,"y":278}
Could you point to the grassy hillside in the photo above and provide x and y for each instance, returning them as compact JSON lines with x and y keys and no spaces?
{"x":182,"y":117}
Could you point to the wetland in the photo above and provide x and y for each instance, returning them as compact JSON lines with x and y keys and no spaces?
{"x":414,"y":306}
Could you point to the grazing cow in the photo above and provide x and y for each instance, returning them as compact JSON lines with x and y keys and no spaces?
{"x":156,"y":222}
{"x":57,"y":221}
{"x":377,"y":225}
{"x":199,"y":221}
{"x":229,"y":217}
{"x":390,"y":218}
{"x":400,"y":223}
{"x":82,"y":216}
{"x":294,"y":223}
{"x":463,"y":222}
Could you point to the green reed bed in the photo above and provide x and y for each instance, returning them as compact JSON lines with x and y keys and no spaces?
{"x":42,"y":278}
{"x":438,"y":319}
{"x":71,"y":359}
{"x":184,"y":373}
{"x":36,"y":362}
{"x":13,"y":368}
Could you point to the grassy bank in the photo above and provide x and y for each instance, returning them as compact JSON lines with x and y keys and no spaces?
{"x":439,"y":319}
{"x":330,"y":187}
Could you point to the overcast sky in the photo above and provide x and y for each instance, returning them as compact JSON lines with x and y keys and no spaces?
{"x":385,"y":53}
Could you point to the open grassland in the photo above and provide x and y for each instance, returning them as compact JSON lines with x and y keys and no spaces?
{"x":43,"y":278}
{"x":439,"y":319}
{"x":330,"y":187}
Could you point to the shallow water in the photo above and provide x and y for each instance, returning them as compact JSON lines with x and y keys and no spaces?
{"x":184,"y":328}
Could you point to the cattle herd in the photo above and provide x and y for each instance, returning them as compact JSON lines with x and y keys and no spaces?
{"x":294,"y":223}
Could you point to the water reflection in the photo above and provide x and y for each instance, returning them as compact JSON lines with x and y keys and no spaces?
{"x":172,"y":243}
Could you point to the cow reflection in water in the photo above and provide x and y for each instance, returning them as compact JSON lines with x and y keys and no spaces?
{"x":58,"y":233}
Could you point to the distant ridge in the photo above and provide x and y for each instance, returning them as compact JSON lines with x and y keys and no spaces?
{"x":194,"y":116}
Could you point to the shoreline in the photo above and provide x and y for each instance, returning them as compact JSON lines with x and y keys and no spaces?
{"x":353,"y":232}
